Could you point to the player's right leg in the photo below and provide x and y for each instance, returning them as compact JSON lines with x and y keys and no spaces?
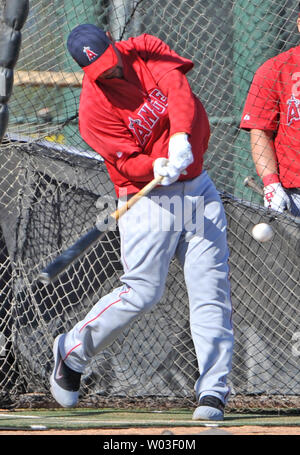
{"x":204,"y":257}
{"x":146,"y":254}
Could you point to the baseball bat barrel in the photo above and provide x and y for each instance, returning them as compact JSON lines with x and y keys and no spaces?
{"x":251,"y":183}
{"x":48,"y":78}
{"x":62,"y":262}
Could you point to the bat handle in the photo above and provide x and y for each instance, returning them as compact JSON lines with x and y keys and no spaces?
{"x":143,"y":192}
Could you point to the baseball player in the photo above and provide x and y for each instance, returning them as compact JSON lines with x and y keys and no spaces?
{"x":138,"y":111}
{"x":272,"y":114}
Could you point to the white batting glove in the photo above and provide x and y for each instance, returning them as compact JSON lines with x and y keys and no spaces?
{"x":276,"y":198}
{"x":163,"y":167}
{"x":180,"y":151}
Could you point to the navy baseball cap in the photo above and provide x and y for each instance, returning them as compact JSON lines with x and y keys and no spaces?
{"x":91,"y":48}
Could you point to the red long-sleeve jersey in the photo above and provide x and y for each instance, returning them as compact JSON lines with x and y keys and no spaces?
{"x":129,"y":121}
{"x":273,"y":104}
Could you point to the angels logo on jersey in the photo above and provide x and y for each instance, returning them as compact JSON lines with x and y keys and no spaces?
{"x":148,"y":115}
{"x":293,"y":113}
{"x":89,"y":53}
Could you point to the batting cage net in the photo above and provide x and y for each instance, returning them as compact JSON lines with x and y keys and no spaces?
{"x":54,"y":188}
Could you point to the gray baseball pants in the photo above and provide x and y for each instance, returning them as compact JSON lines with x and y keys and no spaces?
{"x":185,"y":219}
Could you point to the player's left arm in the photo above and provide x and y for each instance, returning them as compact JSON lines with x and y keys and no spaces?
{"x":182,"y":111}
{"x":181,"y":101}
{"x":263,"y":152}
{"x":168,"y":70}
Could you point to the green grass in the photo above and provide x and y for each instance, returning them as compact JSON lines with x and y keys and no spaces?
{"x":112,"y":418}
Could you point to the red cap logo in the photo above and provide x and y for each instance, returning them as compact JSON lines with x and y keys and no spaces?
{"x":89,"y":53}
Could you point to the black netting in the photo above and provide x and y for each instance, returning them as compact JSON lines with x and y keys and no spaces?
{"x":53,"y":187}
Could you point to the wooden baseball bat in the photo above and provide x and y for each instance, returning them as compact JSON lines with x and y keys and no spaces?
{"x":59,"y":264}
{"x":251,"y":183}
{"x":48,"y":78}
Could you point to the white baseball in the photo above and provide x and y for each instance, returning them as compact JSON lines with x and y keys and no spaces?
{"x":262,"y":232}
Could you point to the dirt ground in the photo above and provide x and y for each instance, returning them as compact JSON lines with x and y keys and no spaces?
{"x":242,"y":430}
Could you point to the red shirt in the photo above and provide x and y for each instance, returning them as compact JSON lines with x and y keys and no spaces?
{"x":129,"y":121}
{"x":273,"y":103}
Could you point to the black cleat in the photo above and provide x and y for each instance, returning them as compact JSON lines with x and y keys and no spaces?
{"x":210,"y":408}
{"x":65,"y":383}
